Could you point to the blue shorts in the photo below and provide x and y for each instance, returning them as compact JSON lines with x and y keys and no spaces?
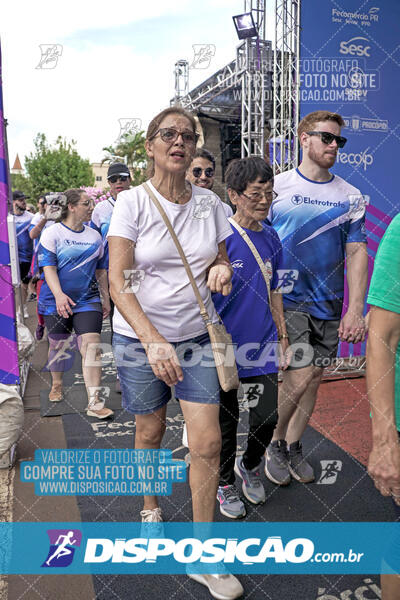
{"x":143,"y":393}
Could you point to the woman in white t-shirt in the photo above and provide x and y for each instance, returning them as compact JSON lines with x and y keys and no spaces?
{"x":157,"y":312}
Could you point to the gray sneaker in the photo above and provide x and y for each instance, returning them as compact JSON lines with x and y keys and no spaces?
{"x":277,"y":463}
{"x":252,"y":487}
{"x":230,"y":504}
{"x":298,"y":466}
{"x":224,"y":586}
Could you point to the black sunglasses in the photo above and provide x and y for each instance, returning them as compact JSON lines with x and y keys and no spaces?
{"x":114,"y":178}
{"x":327,"y":138}
{"x":197,"y":171}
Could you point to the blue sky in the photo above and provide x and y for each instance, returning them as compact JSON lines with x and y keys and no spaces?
{"x":117,"y":62}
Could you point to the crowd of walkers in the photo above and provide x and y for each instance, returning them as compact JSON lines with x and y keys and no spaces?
{"x":270,"y":264}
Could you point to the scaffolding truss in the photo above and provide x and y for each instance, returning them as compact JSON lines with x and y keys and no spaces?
{"x":259,"y":89}
{"x":285,"y":117}
{"x":181,"y":73}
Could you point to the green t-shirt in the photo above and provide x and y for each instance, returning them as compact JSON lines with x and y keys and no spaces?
{"x":384,"y":290}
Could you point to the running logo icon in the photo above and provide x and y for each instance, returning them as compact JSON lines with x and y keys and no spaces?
{"x":203,"y":204}
{"x":287,"y":279}
{"x":203,"y":53}
{"x":128,"y":129}
{"x":329,"y":471}
{"x":50,"y":55}
{"x":252,"y":394}
{"x":63,"y":543}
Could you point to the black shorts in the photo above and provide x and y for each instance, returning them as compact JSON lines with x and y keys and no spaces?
{"x":315,"y":340}
{"x":89,"y":321}
{"x":24,"y":269}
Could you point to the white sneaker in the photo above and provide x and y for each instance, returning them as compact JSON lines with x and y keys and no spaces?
{"x":152,"y":523}
{"x":152,"y":515}
{"x":223,"y":586}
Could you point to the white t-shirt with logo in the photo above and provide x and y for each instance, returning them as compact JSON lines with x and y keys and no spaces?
{"x":37,"y":217}
{"x":159,"y":279}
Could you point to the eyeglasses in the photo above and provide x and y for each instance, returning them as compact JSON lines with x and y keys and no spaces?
{"x":170,"y":135}
{"x":258,"y":196}
{"x":114,"y":178}
{"x":42,"y":203}
{"x":197,"y":171}
{"x":327,"y":138}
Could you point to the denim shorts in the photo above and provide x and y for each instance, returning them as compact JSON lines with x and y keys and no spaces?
{"x":143,"y":393}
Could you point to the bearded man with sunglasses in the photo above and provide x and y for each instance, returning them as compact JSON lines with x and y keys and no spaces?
{"x":202,"y":169}
{"x":319,"y":218}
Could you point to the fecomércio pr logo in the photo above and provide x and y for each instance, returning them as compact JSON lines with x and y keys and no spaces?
{"x":63,"y":543}
{"x":297,"y":199}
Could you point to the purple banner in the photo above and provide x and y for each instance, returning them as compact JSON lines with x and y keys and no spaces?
{"x":9,"y":369}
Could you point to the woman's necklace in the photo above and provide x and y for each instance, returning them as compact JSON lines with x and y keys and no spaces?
{"x":185,"y":189}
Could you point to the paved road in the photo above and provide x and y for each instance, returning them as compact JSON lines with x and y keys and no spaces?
{"x":341,"y":431}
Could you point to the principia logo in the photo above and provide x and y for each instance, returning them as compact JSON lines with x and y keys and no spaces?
{"x":355,"y":47}
{"x":356,"y":160}
{"x":190,"y":550}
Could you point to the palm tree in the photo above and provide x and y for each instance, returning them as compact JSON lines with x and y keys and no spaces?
{"x":130,"y":149}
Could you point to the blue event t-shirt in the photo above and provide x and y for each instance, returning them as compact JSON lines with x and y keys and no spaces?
{"x":24,"y":242}
{"x":246,"y":312}
{"x":77,"y":255}
{"x":101,"y":218}
{"x":314,"y":222}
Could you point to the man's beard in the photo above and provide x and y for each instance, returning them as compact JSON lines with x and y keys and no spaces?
{"x":325,"y":161}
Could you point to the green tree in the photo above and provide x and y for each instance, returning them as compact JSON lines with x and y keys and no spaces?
{"x":23,"y":184}
{"x":58,"y":167}
{"x":130,"y":149}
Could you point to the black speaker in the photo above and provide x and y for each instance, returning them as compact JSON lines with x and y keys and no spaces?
{"x":230,"y":144}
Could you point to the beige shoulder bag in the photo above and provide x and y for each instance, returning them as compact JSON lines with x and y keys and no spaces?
{"x":256,"y":255}
{"x":221,"y":341}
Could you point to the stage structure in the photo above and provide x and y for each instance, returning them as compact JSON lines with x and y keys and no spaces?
{"x":286,"y":109}
{"x":256,"y":117}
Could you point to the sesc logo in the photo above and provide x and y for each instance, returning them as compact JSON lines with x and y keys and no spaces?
{"x":355,"y":47}
{"x":297,"y":199}
{"x":363,"y":159}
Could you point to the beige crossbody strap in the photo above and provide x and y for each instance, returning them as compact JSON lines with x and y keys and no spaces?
{"x":256,"y":255}
{"x":203,"y":310}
